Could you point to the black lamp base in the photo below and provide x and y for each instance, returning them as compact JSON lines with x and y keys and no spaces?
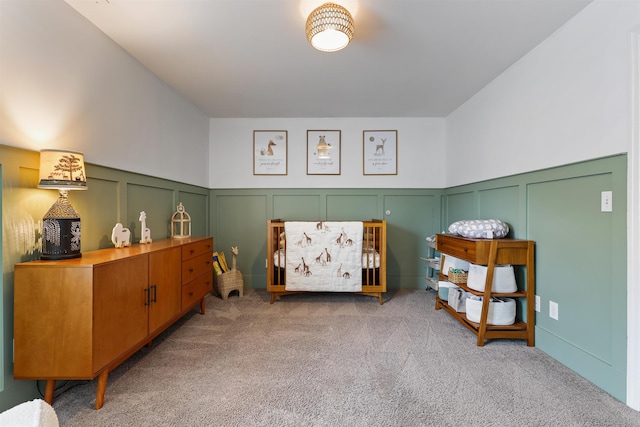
{"x":60,"y":238}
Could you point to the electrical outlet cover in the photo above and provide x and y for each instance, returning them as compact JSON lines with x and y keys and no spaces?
{"x":553,"y":310}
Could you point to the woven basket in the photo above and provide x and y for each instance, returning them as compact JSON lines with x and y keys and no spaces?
{"x":229,"y":281}
{"x":459,"y":276}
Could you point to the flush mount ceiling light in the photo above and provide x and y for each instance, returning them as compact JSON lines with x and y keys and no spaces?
{"x":329,"y":27}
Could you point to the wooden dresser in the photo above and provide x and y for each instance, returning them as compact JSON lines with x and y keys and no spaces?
{"x":80,"y":318}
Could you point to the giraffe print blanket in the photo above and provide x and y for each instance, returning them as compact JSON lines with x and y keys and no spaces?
{"x":323,"y":256}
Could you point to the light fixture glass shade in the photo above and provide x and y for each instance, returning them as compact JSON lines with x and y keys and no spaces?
{"x":329,"y":27}
{"x":62,"y":170}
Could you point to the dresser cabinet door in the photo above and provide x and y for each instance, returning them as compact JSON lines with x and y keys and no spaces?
{"x":164,"y":286}
{"x":53,"y":323}
{"x":120,"y":313}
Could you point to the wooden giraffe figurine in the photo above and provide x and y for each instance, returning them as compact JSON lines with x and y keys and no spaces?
{"x":145,"y":233}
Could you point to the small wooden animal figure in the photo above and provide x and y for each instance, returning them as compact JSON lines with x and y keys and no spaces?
{"x":120,"y":236}
{"x":234,"y":252}
{"x":145,"y":233}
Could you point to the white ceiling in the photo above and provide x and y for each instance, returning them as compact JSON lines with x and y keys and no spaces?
{"x":251,"y":58}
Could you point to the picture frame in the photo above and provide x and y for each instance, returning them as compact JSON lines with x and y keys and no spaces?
{"x":270,"y":152}
{"x":323,"y":152}
{"x":380,"y":152}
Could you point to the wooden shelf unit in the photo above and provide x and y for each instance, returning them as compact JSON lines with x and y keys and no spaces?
{"x":80,"y":318}
{"x":433,"y":266}
{"x":491,"y":253}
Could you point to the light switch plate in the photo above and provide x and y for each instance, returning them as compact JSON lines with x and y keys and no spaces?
{"x":606,"y":201}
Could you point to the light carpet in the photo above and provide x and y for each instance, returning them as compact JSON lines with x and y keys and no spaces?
{"x":338,"y":360}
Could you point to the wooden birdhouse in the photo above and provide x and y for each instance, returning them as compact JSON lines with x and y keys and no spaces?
{"x":180,"y":223}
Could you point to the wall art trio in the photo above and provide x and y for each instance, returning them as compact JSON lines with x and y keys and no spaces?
{"x":379,"y":152}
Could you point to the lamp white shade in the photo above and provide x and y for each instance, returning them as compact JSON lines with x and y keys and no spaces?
{"x":62,"y":170}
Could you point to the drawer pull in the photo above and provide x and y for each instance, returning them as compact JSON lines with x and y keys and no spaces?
{"x":191,"y":251}
{"x":147,"y":297}
{"x":190,"y":294}
{"x":207,"y":262}
{"x":191,"y":270}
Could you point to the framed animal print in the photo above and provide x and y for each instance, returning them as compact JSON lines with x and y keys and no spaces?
{"x":380,"y":152}
{"x":270,"y":152}
{"x":323,"y":152}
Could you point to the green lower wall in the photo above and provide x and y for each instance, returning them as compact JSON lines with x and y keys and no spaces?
{"x":112,"y":196}
{"x":580,"y":258}
{"x":580,"y":251}
{"x":239,"y":218}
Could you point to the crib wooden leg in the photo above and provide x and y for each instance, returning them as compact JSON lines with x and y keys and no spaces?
{"x":273,"y":297}
{"x":380,"y":297}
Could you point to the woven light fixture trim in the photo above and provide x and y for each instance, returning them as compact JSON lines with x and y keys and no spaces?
{"x":329,"y":27}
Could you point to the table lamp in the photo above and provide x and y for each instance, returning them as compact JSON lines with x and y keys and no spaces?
{"x":64,"y":171}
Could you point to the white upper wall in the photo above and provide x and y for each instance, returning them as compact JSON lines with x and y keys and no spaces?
{"x":420,"y":153}
{"x":65,"y":84}
{"x":568,"y":100}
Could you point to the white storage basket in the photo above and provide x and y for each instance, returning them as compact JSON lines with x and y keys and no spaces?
{"x":504,"y":279}
{"x":457,"y":299}
{"x":502,"y":311}
{"x":455,"y":263}
{"x":443,"y":289}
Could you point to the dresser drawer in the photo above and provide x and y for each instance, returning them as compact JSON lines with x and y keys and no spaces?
{"x":195,"y":249}
{"x":196,"y":267}
{"x":196,"y":289}
{"x":477,"y":251}
{"x":469,"y":250}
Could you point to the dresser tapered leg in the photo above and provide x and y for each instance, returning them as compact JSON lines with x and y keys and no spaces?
{"x":48,"y":391}
{"x":102,"y":387}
